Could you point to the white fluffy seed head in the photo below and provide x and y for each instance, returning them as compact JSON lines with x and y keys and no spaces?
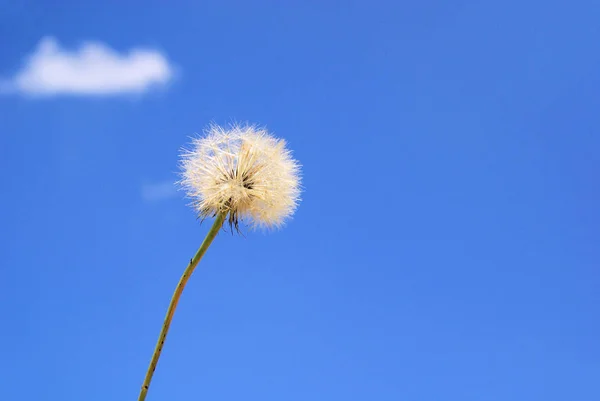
{"x":242,"y":171}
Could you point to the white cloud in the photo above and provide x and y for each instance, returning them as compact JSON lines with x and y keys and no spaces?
{"x":92,"y":70}
{"x":159,"y":191}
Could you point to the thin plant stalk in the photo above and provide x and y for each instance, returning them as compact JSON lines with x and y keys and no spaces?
{"x":214,"y":230}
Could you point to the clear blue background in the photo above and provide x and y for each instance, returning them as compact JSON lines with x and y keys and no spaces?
{"x":446,"y":247}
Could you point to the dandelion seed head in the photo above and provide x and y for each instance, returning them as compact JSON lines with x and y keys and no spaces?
{"x":242,"y":171}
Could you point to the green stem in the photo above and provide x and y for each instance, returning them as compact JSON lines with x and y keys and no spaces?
{"x":214,"y":230}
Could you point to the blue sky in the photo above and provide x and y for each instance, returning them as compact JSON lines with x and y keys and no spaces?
{"x":446,"y":244}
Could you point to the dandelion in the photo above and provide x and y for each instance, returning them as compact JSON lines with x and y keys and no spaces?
{"x":240,"y":174}
{"x":243,"y":172}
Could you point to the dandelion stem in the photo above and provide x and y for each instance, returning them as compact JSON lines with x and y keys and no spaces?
{"x":214,"y":230}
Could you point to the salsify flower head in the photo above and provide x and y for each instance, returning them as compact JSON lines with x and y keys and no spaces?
{"x":242,"y":171}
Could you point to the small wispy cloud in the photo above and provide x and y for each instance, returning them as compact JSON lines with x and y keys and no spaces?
{"x":94,"y":69}
{"x":159,"y":191}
